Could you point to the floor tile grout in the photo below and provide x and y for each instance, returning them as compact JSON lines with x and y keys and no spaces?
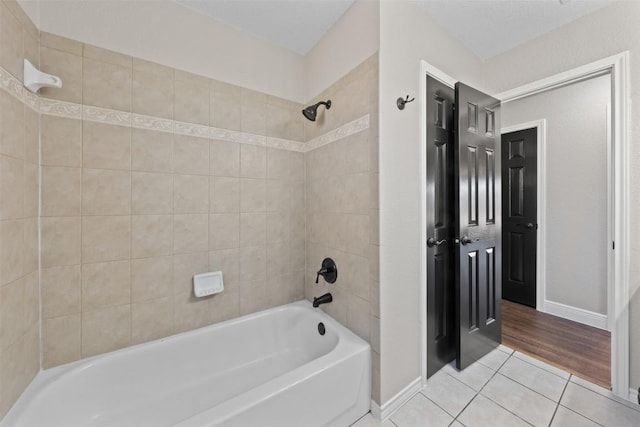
{"x":566,"y":384}
{"x":625,"y":404}
{"x":491,"y":400}
{"x":539,"y":367}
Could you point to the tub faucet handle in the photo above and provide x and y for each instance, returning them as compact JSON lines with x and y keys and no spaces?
{"x":329,"y":271}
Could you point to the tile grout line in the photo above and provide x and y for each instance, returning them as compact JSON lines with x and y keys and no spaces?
{"x":559,"y":400}
{"x":491,"y":400}
{"x":626,"y":403}
{"x":539,"y":367}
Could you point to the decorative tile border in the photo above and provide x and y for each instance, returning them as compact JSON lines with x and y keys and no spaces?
{"x":72,"y":110}
{"x":348,"y":129}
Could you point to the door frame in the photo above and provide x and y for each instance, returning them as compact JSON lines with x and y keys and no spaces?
{"x":541,"y":170}
{"x":617,"y":66}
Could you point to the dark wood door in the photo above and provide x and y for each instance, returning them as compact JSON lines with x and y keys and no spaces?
{"x":441,"y":221}
{"x":478,"y":208}
{"x":519,"y":213}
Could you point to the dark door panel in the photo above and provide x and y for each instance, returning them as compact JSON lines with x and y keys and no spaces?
{"x":519,"y":166}
{"x":440,"y":226}
{"x":478,"y":207}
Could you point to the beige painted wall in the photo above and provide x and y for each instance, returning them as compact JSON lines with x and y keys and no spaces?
{"x":407,"y":35}
{"x":354,"y":38}
{"x":606,"y":32}
{"x":19,"y":187}
{"x":576,"y":189}
{"x":168,"y":33}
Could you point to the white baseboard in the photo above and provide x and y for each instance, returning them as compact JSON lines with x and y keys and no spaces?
{"x":633,"y":396}
{"x":392,"y":405}
{"x":579,"y":315}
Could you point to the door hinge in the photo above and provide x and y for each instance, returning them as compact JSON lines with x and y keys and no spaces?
{"x":613,"y":245}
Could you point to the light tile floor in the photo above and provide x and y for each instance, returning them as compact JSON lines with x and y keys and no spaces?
{"x":507,"y":388}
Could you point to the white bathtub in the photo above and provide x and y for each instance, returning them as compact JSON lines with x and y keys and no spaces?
{"x":271,"y":368}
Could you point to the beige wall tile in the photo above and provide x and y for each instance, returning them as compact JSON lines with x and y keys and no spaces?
{"x":225,"y":105}
{"x":278,"y":121}
{"x":225,"y":158}
{"x":152,"y":67}
{"x":227,"y":261}
{"x":253,"y":161}
{"x":253,"y":195}
{"x":60,"y":340}
{"x":278,"y":196}
{"x":151,"y":151}
{"x":278,"y":227}
{"x":11,"y":43}
{"x":151,"y":320}
{"x":253,"y":296}
{"x":224,"y":194}
{"x":189,"y":312}
{"x":191,"y":103}
{"x":190,"y":194}
{"x":61,"y":141}
{"x":277,"y":164}
{"x":106,"y":85}
{"x":190,"y":233}
{"x":152,"y":235}
{"x":224,"y":231}
{"x":224,"y":306}
{"x":253,"y":264}
{"x":358,"y":235}
{"x":106,"y":192}
{"x":151,"y":193}
{"x":105,"y":238}
{"x":60,"y":191}
{"x":297,"y":167}
{"x":356,"y":193}
{"x":13,"y":126}
{"x":106,"y":330}
{"x":11,"y":188}
{"x":12,"y":320}
{"x":32,"y":302}
{"x":31,"y":189}
{"x":358,"y":316}
{"x":253,"y":112}
{"x":31,"y":136}
{"x":106,"y":146}
{"x":11,"y":250}
{"x":13,"y":373}
{"x":253,"y":229}
{"x":152,"y":94}
{"x":60,"y":43}
{"x":185,"y":266}
{"x":67,"y":66}
{"x":278,"y":259}
{"x":60,"y":241}
{"x":151,"y":278}
{"x":31,"y":249}
{"x":106,"y":284}
{"x":277,"y":290}
{"x":296,"y":291}
{"x":108,"y":56}
{"x":60,"y":291}
{"x":190,"y":155}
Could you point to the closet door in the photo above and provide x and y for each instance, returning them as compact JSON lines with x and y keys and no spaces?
{"x":478,"y":210}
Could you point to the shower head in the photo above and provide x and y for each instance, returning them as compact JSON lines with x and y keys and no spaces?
{"x":312,"y":111}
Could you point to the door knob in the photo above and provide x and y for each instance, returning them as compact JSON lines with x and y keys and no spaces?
{"x":431,"y":242}
{"x":529,"y":226}
{"x":465,"y":240}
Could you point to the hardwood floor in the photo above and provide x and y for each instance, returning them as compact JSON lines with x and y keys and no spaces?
{"x":580,"y":349}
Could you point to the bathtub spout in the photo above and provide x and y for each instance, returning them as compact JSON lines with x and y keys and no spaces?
{"x":322,"y":299}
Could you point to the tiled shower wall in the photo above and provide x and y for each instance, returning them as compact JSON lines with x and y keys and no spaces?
{"x":342,"y":206}
{"x":129,"y":215}
{"x":19,"y":294}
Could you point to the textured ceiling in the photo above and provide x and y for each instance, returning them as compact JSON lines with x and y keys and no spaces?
{"x":294,"y":24}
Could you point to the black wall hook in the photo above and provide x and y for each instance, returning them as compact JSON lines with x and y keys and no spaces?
{"x":400,"y":102}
